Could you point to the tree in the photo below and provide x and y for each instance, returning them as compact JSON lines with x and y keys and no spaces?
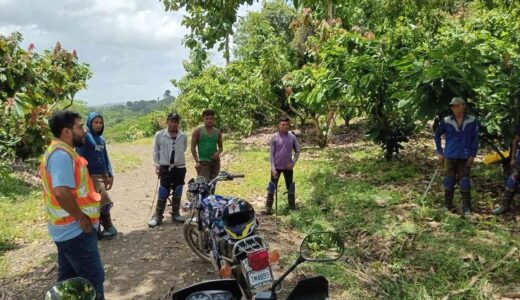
{"x":210,"y":21}
{"x":31,"y":87}
{"x":249,"y":90}
{"x":477,"y":59}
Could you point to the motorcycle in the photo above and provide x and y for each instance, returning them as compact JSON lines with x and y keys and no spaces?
{"x":247,"y":259}
{"x":315,"y":247}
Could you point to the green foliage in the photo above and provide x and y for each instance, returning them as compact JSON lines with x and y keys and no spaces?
{"x":397,"y":63}
{"x":249,"y":91}
{"x":32,"y":85}
{"x":210,"y":22}
{"x":396,"y":248}
{"x":20,"y":209}
{"x":403,"y":63}
{"x":135,"y":119}
{"x":133,"y":128}
{"x":478,"y":60}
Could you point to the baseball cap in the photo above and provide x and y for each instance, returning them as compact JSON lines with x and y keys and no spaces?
{"x":457,"y":100}
{"x":173,"y":116}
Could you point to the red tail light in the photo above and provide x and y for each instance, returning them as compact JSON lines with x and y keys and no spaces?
{"x":258,"y":260}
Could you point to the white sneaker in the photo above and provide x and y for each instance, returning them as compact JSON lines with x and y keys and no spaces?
{"x":153,"y":222}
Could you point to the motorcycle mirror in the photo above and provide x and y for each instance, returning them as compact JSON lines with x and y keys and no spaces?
{"x":74,"y":288}
{"x":322,"y":247}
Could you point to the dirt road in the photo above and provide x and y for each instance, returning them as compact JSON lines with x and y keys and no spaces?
{"x":140,"y":263}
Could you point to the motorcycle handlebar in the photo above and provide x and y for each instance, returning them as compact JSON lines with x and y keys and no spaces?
{"x":226,"y":177}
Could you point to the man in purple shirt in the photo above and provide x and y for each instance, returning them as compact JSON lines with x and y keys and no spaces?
{"x":282,"y":162}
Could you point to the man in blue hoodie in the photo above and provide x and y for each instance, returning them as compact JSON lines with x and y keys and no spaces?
{"x":100,"y":170}
{"x":460,"y":131}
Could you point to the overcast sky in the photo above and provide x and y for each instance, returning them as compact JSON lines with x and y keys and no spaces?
{"x":133,"y":47}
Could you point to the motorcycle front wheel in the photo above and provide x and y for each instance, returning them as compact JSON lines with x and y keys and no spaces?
{"x":192,"y":235}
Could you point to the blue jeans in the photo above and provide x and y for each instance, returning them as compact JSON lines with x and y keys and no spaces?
{"x":79,"y":257}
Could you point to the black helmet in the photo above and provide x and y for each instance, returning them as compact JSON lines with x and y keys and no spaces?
{"x":239,"y":218}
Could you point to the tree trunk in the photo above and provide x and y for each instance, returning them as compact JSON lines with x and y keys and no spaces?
{"x":346,"y":118}
{"x":320,"y":137}
{"x":330,"y":11}
{"x":226,"y":50}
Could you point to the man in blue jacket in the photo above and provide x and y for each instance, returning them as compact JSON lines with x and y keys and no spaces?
{"x":460,"y":131}
{"x":100,"y":170}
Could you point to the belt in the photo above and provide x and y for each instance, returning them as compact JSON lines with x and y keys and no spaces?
{"x":173,"y":167}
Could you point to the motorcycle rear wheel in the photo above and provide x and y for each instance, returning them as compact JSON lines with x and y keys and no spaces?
{"x":237,"y":274}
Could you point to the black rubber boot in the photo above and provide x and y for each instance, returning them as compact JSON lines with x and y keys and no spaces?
{"x":109,"y":230}
{"x":268,"y":210}
{"x":158,"y":215}
{"x":291,"y":199}
{"x":466,"y":203}
{"x":505,"y":206}
{"x":105,"y":219}
{"x":448,"y":200}
{"x":176,"y":205}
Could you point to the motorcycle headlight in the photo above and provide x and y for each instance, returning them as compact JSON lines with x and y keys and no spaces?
{"x":193,"y":187}
{"x":211,"y":295}
{"x":199,"y":296}
{"x":222,"y":296}
{"x":200,"y":179}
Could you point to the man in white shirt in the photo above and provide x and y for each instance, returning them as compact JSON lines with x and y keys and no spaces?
{"x":170,"y":165}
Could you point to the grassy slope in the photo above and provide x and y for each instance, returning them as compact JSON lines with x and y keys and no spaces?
{"x":398,"y":247}
{"x":22,"y":218}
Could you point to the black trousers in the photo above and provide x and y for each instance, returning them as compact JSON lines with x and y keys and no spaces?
{"x":287,"y":175}
{"x":171,"y":179}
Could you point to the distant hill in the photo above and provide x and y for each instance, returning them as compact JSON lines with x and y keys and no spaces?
{"x":139,"y":108}
{"x":133,"y":119}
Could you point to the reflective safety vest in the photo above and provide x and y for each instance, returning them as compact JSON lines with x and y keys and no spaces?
{"x":84,"y":193}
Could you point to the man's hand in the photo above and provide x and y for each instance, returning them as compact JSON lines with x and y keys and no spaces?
{"x":157,"y":171}
{"x":274,"y":173}
{"x":441,"y":158}
{"x":197,"y":166}
{"x":470,"y":161}
{"x":109,"y":182}
{"x":216,"y":156}
{"x":513,"y":162}
{"x":85,"y":224}
{"x":290,"y":166}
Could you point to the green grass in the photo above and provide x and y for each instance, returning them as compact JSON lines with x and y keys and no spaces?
{"x":398,"y":247}
{"x":21,"y":216}
{"x":123,"y":161}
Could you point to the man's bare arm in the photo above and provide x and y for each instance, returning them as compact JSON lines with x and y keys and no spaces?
{"x":194,"y":141}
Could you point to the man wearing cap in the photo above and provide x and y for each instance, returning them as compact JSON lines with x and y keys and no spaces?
{"x":460,"y":131}
{"x":169,"y":161}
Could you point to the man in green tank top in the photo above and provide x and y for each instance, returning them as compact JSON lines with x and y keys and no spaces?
{"x":206,"y":147}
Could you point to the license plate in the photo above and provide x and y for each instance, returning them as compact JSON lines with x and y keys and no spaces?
{"x":259,"y":278}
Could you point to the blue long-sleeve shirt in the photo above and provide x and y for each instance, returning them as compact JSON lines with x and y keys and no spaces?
{"x":461,"y":142}
{"x":95,"y":150}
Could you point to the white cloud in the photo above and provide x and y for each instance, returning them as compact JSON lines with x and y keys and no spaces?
{"x":133,"y":47}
